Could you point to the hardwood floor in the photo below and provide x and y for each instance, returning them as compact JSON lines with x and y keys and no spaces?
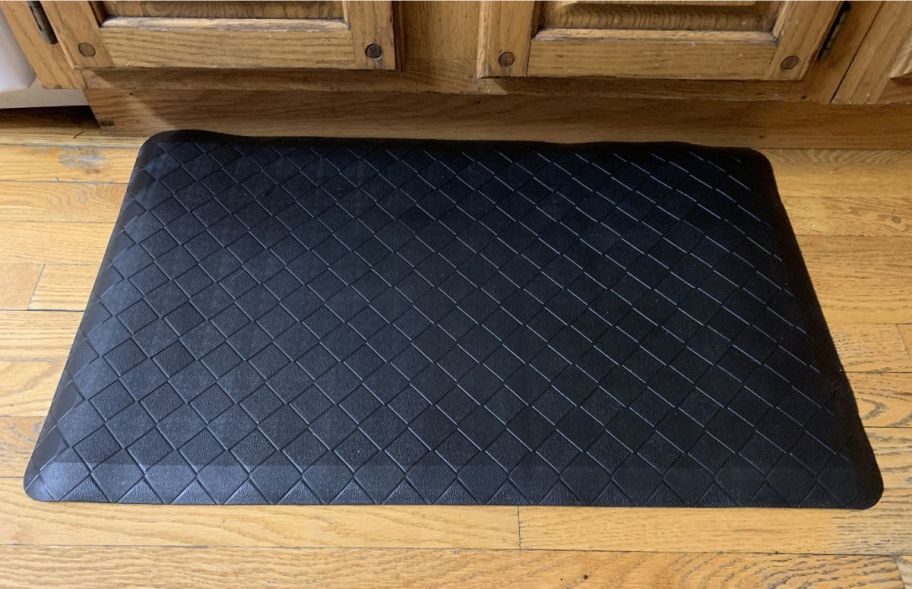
{"x":61,"y":182}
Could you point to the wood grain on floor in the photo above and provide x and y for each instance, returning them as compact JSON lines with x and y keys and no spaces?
{"x":60,"y":189}
{"x":360,"y":568}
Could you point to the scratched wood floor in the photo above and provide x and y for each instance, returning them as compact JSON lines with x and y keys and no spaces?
{"x":60,"y":187}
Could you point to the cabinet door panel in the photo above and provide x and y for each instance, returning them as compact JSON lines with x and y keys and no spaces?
{"x":678,"y":39}
{"x":208,"y":9}
{"x":670,"y":15}
{"x":882,"y":69}
{"x":322,"y":35}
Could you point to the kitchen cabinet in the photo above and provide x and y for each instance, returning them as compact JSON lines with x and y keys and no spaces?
{"x":564,"y":70}
{"x":882,"y":70}
{"x":725,"y":40}
{"x":221,"y":35}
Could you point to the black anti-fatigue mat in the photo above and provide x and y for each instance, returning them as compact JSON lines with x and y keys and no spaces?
{"x":311,"y":321}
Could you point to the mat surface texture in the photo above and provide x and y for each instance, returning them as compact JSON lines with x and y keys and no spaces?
{"x":322,"y":321}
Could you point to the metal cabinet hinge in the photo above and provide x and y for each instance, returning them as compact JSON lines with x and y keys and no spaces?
{"x":838,"y":22}
{"x":42,"y":22}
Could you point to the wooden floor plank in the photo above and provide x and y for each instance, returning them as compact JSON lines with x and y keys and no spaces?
{"x":58,"y":126}
{"x":861,"y":279}
{"x":63,"y":287}
{"x":36,"y":335}
{"x":25,"y":521}
{"x":17,"y":283}
{"x":17,"y":438}
{"x":811,"y":157}
{"x":26,"y":387}
{"x":905,"y":569}
{"x":882,"y":529}
{"x":73,"y":164}
{"x":871,"y":347}
{"x":861,"y":257}
{"x":858,"y":300}
{"x":841,"y":173}
{"x":905,"y":332}
{"x":884,"y":399}
{"x":359,"y":568}
{"x":893,"y":447}
{"x":60,"y":202}
{"x":850,"y":216}
{"x":53,"y":243}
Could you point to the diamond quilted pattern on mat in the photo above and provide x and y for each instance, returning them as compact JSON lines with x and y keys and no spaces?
{"x":314,"y":321}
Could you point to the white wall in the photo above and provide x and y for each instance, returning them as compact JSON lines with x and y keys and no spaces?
{"x":18,"y":86}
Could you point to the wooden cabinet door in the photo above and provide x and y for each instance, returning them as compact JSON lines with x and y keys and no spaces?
{"x":702,"y":40}
{"x":241,"y":35}
{"x":882,"y":69}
